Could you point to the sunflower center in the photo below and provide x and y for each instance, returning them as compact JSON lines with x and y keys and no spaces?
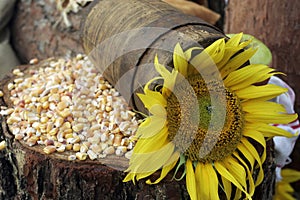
{"x":205,"y":124}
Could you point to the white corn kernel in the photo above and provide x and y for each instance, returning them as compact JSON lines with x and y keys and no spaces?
{"x":67,"y":106}
{"x":61,"y":149}
{"x":128,"y":154}
{"x":10,"y":86}
{"x":78,"y":127}
{"x":92,"y":155}
{"x":121,"y":150}
{"x":108,"y":151}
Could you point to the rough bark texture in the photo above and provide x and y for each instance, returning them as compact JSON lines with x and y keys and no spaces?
{"x":38,"y":31}
{"x":276,"y":23}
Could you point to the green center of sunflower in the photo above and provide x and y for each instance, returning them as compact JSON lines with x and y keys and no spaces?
{"x":206,"y":126}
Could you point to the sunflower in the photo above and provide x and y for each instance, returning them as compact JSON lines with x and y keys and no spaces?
{"x":283,"y":188}
{"x":208,"y":115}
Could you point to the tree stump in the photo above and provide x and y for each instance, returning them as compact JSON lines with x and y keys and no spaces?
{"x":28,"y":173}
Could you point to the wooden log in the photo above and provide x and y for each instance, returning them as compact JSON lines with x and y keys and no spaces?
{"x":123,"y":37}
{"x":38,"y":31}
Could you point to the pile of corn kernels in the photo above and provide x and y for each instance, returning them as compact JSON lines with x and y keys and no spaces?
{"x":68,"y":106}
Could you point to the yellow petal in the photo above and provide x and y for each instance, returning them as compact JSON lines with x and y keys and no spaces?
{"x":232,"y":46}
{"x":245,"y":152}
{"x":129,"y":177}
{"x":249,"y":174}
{"x":290,"y":175}
{"x":238,"y":194}
{"x":258,"y":137}
{"x":151,"y":126}
{"x":286,"y":187}
{"x":237,"y":61}
{"x":245,"y":43}
{"x":271,"y":118}
{"x":236,"y":170}
{"x":202,"y":64}
{"x":153,"y":94}
{"x":152,"y":161}
{"x":207,"y":181}
{"x":234,"y":40}
{"x":226,"y":174}
{"x":262,"y":106}
{"x":283,"y":191}
{"x":247,"y":76}
{"x":190,"y":180}
{"x":216,"y":50}
{"x":228,"y":54}
{"x":160,"y":68}
{"x":147,"y":144}
{"x":179,"y":60}
{"x":254,"y":153}
{"x":227,"y":187}
{"x":213,"y":182}
{"x":146,"y":87}
{"x":151,"y":102}
{"x":206,"y":61}
{"x":202,"y":180}
{"x":169,"y":77}
{"x":159,"y":111}
{"x":167,"y":168}
{"x":264,"y":92}
{"x":269,"y":130}
{"x":143,"y":175}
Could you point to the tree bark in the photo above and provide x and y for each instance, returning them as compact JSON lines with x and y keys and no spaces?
{"x":276,"y":23}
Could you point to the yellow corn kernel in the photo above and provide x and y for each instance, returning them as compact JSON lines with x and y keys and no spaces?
{"x":81,"y":156}
{"x":76,"y":147}
{"x":49,"y":149}
{"x":2,"y":145}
